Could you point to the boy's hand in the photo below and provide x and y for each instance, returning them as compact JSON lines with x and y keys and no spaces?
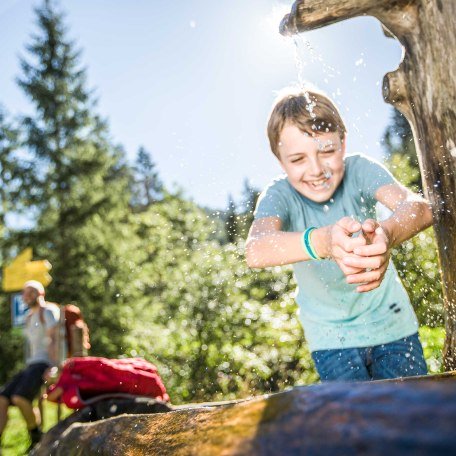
{"x":372,"y":259}
{"x":342,"y":244}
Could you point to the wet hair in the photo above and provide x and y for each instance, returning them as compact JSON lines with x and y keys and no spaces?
{"x":309,"y":110}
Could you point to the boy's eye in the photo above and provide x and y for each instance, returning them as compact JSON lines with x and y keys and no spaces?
{"x":327,"y":152}
{"x":296,"y":160}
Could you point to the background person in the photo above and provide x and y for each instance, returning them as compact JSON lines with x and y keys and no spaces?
{"x":41,"y":326}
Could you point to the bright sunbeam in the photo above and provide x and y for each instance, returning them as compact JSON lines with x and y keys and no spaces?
{"x":271,"y":21}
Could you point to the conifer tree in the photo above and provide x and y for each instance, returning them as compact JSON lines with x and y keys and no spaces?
{"x":231,"y":221}
{"x":250,"y":196}
{"x":9,"y":170}
{"x":80,"y":184}
{"x":398,"y":139}
{"x":147,"y":186}
{"x":10,"y":340}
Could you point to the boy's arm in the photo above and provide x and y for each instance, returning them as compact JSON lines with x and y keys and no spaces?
{"x":411,"y":214}
{"x":268,"y":246}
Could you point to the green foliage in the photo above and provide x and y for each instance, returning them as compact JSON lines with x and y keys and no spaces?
{"x":249,"y":199}
{"x":9,"y":171}
{"x":398,"y":141}
{"x":239,"y":217}
{"x":417,"y":264}
{"x":231,"y":221}
{"x":11,"y":343}
{"x":416,"y":259}
{"x":432,"y":340}
{"x":216,"y":329}
{"x":76,"y":185}
{"x":147,"y":187}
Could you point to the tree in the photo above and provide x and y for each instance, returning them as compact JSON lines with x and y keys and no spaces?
{"x":79,"y":186}
{"x":398,"y":139}
{"x":11,"y":343}
{"x":250,"y":196}
{"x":9,"y":170}
{"x":216,"y":329}
{"x":231,"y":223}
{"x":416,"y":260}
{"x":147,"y":186}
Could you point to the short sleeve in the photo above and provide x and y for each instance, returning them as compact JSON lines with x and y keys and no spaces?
{"x":371,"y":175}
{"x":272,"y":203}
{"x":51,"y":318}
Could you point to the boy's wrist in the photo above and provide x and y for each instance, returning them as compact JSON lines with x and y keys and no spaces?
{"x":387,"y":230}
{"x":320,"y":241}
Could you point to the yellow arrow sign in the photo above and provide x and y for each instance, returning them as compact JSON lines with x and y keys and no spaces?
{"x":22,"y":268}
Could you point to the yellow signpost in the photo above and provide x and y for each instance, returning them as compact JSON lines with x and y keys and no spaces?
{"x":22,"y":268}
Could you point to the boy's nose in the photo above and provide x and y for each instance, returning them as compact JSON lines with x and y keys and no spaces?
{"x":316,"y":168}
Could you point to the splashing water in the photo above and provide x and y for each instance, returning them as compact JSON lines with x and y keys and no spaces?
{"x":298,"y":62}
{"x":313,"y":56}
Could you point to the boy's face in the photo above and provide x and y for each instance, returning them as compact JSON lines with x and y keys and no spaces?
{"x":314,"y":164}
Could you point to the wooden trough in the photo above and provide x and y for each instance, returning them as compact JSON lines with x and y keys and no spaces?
{"x":411,"y":417}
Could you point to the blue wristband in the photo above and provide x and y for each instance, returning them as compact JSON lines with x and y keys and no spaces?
{"x":307,"y":244}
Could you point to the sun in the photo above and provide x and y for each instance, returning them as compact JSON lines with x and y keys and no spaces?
{"x":272,"y":20}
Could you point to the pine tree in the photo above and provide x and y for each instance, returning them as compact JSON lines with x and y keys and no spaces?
{"x":147,"y":186}
{"x":250,"y":196}
{"x":231,"y":221}
{"x":80,"y":186}
{"x":9,"y":170}
{"x":398,"y":139}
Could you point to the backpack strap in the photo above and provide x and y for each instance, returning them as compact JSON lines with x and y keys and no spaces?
{"x":41,"y":315}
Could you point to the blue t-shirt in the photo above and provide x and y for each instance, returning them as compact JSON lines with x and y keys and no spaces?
{"x":332,"y":313}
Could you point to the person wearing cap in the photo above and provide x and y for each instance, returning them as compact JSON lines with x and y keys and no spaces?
{"x":41,"y":333}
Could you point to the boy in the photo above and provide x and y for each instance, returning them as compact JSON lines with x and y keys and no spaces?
{"x":320,"y":217}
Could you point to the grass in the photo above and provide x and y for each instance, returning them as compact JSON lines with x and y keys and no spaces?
{"x":15,"y":437}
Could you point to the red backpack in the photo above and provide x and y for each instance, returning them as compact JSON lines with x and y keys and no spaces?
{"x":82,"y":379}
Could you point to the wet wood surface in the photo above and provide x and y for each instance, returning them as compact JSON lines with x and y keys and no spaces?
{"x":410,"y":417}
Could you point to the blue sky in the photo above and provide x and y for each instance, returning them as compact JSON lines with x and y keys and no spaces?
{"x":193,"y":80}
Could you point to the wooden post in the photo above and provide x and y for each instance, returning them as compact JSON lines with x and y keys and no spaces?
{"x":423,"y":88}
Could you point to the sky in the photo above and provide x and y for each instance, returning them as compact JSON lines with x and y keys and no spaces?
{"x":193,"y":81}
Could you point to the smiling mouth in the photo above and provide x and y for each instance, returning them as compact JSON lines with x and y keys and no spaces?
{"x":320,"y":184}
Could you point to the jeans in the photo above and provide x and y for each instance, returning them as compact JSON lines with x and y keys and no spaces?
{"x":401,"y":358}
